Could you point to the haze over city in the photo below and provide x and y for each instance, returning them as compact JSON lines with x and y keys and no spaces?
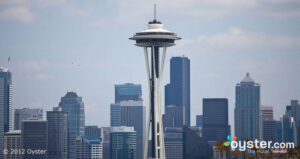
{"x":57,"y":46}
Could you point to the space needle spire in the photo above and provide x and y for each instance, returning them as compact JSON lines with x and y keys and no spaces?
{"x":155,"y":41}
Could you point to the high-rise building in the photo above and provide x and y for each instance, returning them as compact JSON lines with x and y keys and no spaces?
{"x":199,"y":120}
{"x":268,"y":123}
{"x":105,"y":136}
{"x":174,"y":116}
{"x":57,"y":134}
{"x":288,"y":129}
{"x":194,"y":147}
{"x":92,"y":131}
{"x":177,"y":92}
{"x":129,"y":111}
{"x":74,"y":106}
{"x":269,"y":130}
{"x":266,"y":113}
{"x":133,"y":114}
{"x":215,"y":119}
{"x":34,"y":138}
{"x":278,"y":131}
{"x":174,"y":143}
{"x":247,"y":104}
{"x":295,"y":111}
{"x":5,"y":105}
{"x":128,"y":91}
{"x":26,"y":113}
{"x":89,"y":147}
{"x":12,"y":141}
{"x":115,"y":115}
{"x":122,"y":143}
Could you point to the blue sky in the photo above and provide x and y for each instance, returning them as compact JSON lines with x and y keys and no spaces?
{"x":223,"y":39}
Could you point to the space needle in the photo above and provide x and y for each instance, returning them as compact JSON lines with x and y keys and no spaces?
{"x":155,"y":39}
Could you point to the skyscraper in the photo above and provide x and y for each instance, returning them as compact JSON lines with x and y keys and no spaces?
{"x":34,"y":138}
{"x":174,"y":143}
{"x":278,"y":131}
{"x":133,"y":114}
{"x":266,"y":113}
{"x":215,"y":119}
{"x":199,"y":120}
{"x":5,"y":105}
{"x":129,"y":111}
{"x":194,"y":147}
{"x":115,"y":114}
{"x":105,"y":136}
{"x":128,"y":91}
{"x":89,"y":147}
{"x":73,"y":105}
{"x":26,"y":113}
{"x":92,"y":131}
{"x":289,"y":130}
{"x":174,"y":116}
{"x":268,"y":123}
{"x":177,"y":92}
{"x":295,"y":111}
{"x":122,"y":143}
{"x":247,"y":104}
{"x":57,"y":134}
{"x":12,"y":141}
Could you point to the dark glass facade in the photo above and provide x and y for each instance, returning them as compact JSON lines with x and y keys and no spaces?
{"x":199,"y":120}
{"x":215,"y":119}
{"x":34,"y":138}
{"x":177,"y":92}
{"x":194,"y":147}
{"x":57,"y":134}
{"x":174,"y":117}
{"x":92,"y":131}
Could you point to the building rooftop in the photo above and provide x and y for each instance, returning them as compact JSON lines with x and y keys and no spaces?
{"x":2,"y":69}
{"x":129,"y":89}
{"x":248,"y":79}
{"x":71,"y":95}
{"x":92,"y":139}
{"x":13,"y":132}
{"x":122,"y":129}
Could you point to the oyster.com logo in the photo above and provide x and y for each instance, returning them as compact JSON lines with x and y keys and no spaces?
{"x":230,"y":139}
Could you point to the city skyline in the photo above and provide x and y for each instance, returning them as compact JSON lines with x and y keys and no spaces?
{"x":39,"y":68}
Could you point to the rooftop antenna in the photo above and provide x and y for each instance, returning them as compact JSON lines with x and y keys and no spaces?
{"x":154,"y":11}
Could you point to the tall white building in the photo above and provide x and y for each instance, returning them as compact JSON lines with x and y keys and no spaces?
{"x":89,"y":147}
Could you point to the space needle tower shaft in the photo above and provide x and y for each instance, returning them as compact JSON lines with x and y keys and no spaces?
{"x":154,"y":40}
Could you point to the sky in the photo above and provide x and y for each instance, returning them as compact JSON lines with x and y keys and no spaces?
{"x":57,"y":46}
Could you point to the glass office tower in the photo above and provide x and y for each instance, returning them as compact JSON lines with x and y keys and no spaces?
{"x":177,"y":92}
{"x":247,"y":104}
{"x":5,"y":105}
{"x":73,"y":105}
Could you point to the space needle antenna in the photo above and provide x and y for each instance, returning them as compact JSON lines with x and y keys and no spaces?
{"x":154,"y":11}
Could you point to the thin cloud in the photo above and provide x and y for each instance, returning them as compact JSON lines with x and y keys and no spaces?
{"x":237,"y":40}
{"x":18,"y":14}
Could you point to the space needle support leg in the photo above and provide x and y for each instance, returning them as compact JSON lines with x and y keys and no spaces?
{"x":149,"y":116}
{"x":160,"y":82}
